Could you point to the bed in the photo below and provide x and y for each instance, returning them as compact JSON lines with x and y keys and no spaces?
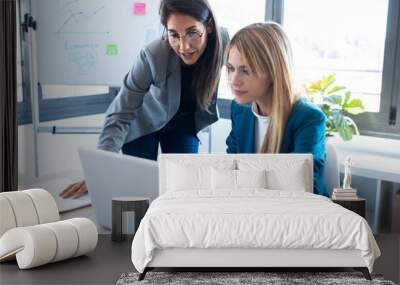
{"x":247,"y":210}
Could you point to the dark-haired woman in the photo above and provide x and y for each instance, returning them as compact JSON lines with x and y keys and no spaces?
{"x":169,"y":95}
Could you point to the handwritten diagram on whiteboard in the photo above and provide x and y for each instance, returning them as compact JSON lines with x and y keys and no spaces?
{"x":89,"y":42}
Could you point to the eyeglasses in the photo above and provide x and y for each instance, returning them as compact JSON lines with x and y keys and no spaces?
{"x":191,"y":36}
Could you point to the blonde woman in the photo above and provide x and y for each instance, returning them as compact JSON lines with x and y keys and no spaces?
{"x":268,"y":116}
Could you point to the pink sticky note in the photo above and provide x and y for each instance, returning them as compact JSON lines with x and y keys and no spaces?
{"x":139,"y":8}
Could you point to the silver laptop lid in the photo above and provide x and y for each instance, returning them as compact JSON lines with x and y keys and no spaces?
{"x":109,"y":175}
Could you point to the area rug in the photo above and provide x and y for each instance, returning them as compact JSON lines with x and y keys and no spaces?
{"x":244,"y":278}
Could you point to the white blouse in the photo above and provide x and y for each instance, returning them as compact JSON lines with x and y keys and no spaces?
{"x":261,"y":127}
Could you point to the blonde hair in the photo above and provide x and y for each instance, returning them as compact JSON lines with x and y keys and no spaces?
{"x":266,"y":50}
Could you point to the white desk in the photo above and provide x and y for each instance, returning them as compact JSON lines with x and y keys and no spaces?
{"x":374,"y":158}
{"x":372,"y":166}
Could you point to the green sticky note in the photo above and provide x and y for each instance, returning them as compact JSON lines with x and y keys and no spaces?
{"x":111,"y":49}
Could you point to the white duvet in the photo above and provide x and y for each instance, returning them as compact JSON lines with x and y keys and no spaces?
{"x":250,"y":219}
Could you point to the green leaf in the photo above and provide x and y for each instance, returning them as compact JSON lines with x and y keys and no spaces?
{"x":326,"y":109}
{"x":329,"y":126}
{"x":335,"y":89}
{"x":342,"y":126}
{"x":334,"y":101}
{"x":347,"y":96}
{"x":346,"y":133}
{"x":327,"y":81}
{"x":338,"y":120}
{"x":354,"y":107}
{"x":315,"y":86}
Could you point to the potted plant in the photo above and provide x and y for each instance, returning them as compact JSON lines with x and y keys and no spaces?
{"x":336,"y":102}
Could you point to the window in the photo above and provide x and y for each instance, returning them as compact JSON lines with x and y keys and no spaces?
{"x":359,"y":41}
{"x":329,"y":37}
{"x":241,"y":13}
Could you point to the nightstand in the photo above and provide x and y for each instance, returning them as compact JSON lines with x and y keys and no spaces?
{"x":139,"y":205}
{"x":357,"y":205}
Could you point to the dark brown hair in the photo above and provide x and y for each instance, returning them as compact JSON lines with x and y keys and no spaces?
{"x":209,"y":64}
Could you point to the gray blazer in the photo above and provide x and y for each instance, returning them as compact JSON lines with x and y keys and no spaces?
{"x":149,"y":98}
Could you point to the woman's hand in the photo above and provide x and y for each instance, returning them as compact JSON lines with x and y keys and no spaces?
{"x":74,"y":190}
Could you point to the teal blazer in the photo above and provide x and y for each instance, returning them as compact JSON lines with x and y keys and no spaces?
{"x":304,"y":133}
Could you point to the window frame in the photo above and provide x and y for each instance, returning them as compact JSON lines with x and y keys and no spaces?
{"x":386,"y":123}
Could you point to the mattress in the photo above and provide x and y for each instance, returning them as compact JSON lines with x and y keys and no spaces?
{"x":250,"y":219}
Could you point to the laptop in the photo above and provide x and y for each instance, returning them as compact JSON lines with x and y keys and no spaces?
{"x":109,"y":175}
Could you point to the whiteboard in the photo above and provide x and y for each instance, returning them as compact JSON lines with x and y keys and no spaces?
{"x":91,"y":42}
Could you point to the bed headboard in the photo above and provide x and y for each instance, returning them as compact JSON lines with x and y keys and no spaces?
{"x":283,"y":163}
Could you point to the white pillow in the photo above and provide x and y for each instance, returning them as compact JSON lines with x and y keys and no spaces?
{"x":251,"y":178}
{"x":194,"y":174}
{"x":183,"y":178}
{"x":223,"y":179}
{"x":281,"y":174}
{"x":226,"y":179}
{"x":293,"y":179}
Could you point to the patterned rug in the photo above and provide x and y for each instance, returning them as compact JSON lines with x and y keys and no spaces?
{"x":243,"y":278}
